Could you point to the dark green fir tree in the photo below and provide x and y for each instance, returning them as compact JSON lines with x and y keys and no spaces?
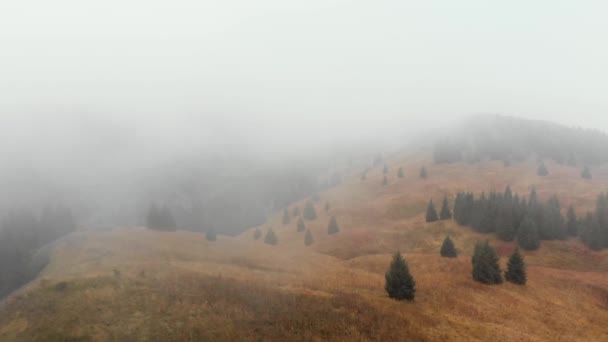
{"x":448,"y":250}
{"x":400,"y":284}
{"x":516,"y":269}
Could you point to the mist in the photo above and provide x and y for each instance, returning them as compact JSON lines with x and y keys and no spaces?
{"x":97,"y":97}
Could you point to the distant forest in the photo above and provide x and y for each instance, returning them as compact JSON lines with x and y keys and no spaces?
{"x":509,"y":139}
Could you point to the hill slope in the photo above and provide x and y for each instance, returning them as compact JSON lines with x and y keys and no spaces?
{"x":135,"y":284}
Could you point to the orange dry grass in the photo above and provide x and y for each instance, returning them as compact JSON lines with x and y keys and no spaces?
{"x":144,"y":285}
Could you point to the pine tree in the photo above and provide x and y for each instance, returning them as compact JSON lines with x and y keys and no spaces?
{"x":586,"y":173}
{"x":431,"y":213}
{"x":271,"y":237}
{"x":332,"y":227}
{"x":516,"y":269}
{"x":400,"y":172}
{"x":572,"y":222}
{"x":542,"y":170}
{"x":445,"y":213}
{"x":308,"y":240}
{"x":400,"y":284}
{"x":527,"y":234}
{"x":447,"y":248}
{"x":285,"y":217}
{"x":211,"y":236}
{"x":423,"y":173}
{"x":257,"y":234}
{"x":309,"y":211}
{"x":384,"y":181}
{"x":301,"y":225}
{"x":485,"y":265}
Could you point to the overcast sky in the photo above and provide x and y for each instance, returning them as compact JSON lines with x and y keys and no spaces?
{"x":277,"y":72}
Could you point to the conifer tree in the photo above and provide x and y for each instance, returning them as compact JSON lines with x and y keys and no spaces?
{"x":516,"y":269}
{"x":400,"y":172}
{"x":447,"y":248}
{"x":445,"y":213}
{"x":308,"y":240}
{"x":211,"y":236}
{"x":572,"y":222}
{"x":385,"y":170}
{"x":271,"y":237}
{"x":285,"y":217}
{"x":400,"y":284}
{"x":327,"y":206}
{"x":527,"y":234}
{"x":485,"y":265}
{"x":384,"y":181}
{"x":586,"y":173}
{"x":542,"y":170}
{"x":309,"y":211}
{"x":257,"y":234}
{"x":332,"y":227}
{"x":301,"y":225}
{"x":431,"y":213}
{"x":423,"y":173}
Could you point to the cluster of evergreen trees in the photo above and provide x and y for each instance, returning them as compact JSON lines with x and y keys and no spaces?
{"x":486,"y":268}
{"x":431,"y":212}
{"x":530,"y":221}
{"x":510,"y":217}
{"x":22,"y":233}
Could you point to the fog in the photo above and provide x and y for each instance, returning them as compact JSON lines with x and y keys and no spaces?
{"x":95,"y":97}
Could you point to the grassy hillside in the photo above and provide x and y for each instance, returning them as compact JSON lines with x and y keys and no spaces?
{"x":135,"y":284}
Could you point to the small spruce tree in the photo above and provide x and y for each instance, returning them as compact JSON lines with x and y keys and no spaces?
{"x":431,"y":213}
{"x":309,"y":211}
{"x":445,"y":213}
{"x":211,"y":236}
{"x":447,"y":248}
{"x":485,"y":265}
{"x":257,"y":234}
{"x":400,"y":284}
{"x":423,"y":173}
{"x":301,"y":225}
{"x":286,"y":217}
{"x":332,"y":227}
{"x":308,"y":240}
{"x":516,"y":269}
{"x":271,"y":237}
{"x":542,"y":170}
{"x":400,"y":172}
{"x":586,"y":173}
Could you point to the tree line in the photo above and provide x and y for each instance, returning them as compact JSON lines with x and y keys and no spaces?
{"x":526,"y":219}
